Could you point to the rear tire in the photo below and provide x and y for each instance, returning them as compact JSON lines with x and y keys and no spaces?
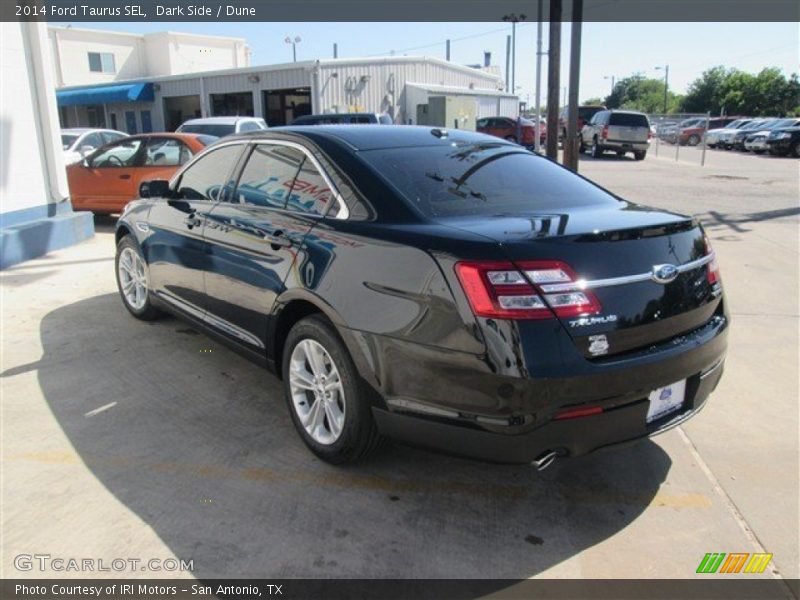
{"x":621,"y":153}
{"x":326,"y":398}
{"x":133,"y":280}
{"x":639,"y":155}
{"x":693,"y":140}
{"x":794,"y":150}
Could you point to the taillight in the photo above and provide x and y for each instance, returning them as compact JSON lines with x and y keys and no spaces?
{"x":605,"y":132}
{"x":712,"y":273}
{"x":506,"y":291}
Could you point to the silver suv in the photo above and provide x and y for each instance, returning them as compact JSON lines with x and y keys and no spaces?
{"x":618,"y":130}
{"x":222,"y":126}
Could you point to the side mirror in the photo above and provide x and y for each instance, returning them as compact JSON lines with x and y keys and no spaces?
{"x":84,"y":150}
{"x":155,"y":188}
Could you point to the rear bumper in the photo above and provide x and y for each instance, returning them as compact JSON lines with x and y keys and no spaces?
{"x":572,"y":437}
{"x":623,"y":145}
{"x":449,"y":403}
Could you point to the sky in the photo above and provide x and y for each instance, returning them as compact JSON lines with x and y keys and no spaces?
{"x":608,"y":49}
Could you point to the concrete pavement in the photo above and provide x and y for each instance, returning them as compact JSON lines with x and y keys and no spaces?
{"x":130,"y":439}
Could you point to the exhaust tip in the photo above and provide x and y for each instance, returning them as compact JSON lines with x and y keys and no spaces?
{"x":545,"y":460}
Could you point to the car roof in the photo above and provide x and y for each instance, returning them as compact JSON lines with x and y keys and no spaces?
{"x":373,"y":136}
{"x":80,"y":130}
{"x":219,"y":120}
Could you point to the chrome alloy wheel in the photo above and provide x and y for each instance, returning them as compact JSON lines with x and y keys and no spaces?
{"x":317,"y":392}
{"x":132,"y":278}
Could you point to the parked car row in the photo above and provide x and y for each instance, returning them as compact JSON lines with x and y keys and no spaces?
{"x":777,"y":136}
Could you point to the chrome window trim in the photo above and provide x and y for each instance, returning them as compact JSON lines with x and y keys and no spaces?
{"x":584,"y":284}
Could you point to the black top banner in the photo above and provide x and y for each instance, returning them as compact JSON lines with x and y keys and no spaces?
{"x":398,"y":10}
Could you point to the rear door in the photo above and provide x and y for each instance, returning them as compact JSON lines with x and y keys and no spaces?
{"x":628,"y":127}
{"x":258,"y":233}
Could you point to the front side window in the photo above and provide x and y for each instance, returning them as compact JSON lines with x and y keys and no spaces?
{"x":166,"y":152}
{"x":249,"y":126}
{"x":269,"y":175}
{"x":204,"y":179}
{"x":483,"y":179}
{"x":101,"y":62}
{"x":121,"y":154}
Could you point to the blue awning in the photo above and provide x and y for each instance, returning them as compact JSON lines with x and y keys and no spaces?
{"x":106,"y":94}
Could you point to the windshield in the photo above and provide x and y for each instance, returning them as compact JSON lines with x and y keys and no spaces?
{"x":781,"y":123}
{"x":215,"y":129}
{"x":481,"y":179}
{"x":67,"y":139}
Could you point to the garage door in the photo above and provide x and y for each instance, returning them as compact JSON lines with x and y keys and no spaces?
{"x":487,"y":107}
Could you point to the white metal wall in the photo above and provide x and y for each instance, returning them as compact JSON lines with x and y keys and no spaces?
{"x":379,"y":85}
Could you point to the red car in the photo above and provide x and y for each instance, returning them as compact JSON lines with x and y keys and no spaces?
{"x":106,"y":180}
{"x":585,"y":114}
{"x":508,"y":129}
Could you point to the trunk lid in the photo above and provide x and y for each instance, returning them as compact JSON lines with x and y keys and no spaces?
{"x":615,"y":251}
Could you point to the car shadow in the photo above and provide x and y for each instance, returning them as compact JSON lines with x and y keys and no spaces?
{"x":197,"y":442}
{"x":606,"y":156}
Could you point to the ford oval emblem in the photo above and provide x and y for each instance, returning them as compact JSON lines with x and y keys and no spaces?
{"x":664,"y":273}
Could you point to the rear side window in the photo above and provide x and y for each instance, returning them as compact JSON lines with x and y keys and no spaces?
{"x":482,"y":179}
{"x":165,"y":152}
{"x":629,"y":120}
{"x":268,"y":177}
{"x":385,"y":120}
{"x":311,"y":193}
{"x":204,"y":179}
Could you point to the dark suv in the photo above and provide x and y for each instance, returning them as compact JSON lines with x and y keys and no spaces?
{"x":445,"y":288}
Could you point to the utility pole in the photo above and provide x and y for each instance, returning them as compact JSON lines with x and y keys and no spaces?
{"x":513,"y":19}
{"x":447,"y":51}
{"x":335,"y":50}
{"x":538,"y":124}
{"x":553,"y":79}
{"x":571,"y":140}
{"x":508,"y":62}
{"x":613,"y":81}
{"x":666,"y":84}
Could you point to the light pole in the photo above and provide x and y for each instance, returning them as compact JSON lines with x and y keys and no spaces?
{"x":513,"y":19}
{"x":666,"y":84}
{"x":294,"y":43}
{"x":613,"y":81}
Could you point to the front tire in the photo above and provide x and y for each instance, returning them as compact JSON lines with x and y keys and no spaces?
{"x":693,"y":140}
{"x":133,"y":280}
{"x":794,"y":150}
{"x":326,"y":399}
{"x":639,"y":155}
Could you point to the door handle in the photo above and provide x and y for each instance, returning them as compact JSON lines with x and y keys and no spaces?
{"x":125,"y":176}
{"x":192,"y":221}
{"x":278,"y":240}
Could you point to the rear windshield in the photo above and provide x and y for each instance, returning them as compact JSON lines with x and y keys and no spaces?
{"x":481,"y":179}
{"x":629,"y":120}
{"x":215,"y":129}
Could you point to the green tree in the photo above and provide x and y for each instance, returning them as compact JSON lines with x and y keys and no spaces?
{"x":595,"y":101}
{"x":640,"y":93}
{"x":733,"y":91}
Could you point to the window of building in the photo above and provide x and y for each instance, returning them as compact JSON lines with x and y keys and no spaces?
{"x":234,"y":104}
{"x":101,"y":62}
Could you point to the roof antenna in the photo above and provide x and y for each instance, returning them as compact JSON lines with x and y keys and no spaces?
{"x":439,"y":133}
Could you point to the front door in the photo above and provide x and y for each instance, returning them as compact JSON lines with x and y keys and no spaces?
{"x":105,"y":182}
{"x":174,"y":248}
{"x":257,"y":236}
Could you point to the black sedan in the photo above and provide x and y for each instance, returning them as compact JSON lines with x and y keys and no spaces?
{"x":444,"y":288}
{"x":784,"y":142}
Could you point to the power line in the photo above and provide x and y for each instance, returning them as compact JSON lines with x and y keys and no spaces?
{"x":459,"y":39}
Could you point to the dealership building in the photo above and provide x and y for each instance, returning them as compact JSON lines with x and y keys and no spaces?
{"x":154,"y":82}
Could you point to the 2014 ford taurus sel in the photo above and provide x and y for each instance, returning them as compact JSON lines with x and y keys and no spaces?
{"x":444,"y":288}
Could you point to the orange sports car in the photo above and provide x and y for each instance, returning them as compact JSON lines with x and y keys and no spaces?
{"x":106,"y":180}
